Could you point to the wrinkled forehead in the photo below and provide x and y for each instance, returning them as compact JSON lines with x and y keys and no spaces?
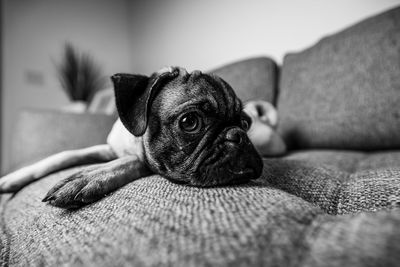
{"x":197,"y":88}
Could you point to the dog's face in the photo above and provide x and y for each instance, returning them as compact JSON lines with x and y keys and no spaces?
{"x":193,"y":127}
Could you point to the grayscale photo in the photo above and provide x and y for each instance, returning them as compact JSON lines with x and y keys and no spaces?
{"x":200,"y":133}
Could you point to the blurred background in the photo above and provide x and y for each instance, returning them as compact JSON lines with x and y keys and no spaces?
{"x":143,"y":36}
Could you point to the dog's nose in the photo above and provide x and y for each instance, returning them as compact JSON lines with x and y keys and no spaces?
{"x":234,"y":135}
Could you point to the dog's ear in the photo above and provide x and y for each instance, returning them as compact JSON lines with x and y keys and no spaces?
{"x":134,"y":95}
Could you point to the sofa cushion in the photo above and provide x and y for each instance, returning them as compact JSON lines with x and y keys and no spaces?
{"x":344,"y":92}
{"x":288,"y":217}
{"x":40,"y":133}
{"x":253,"y":78}
{"x":339,"y":182}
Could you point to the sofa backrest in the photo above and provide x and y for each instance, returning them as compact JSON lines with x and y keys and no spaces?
{"x":344,"y":92}
{"x":252,"y":79}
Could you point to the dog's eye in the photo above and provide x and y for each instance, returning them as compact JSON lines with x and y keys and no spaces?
{"x":190,"y":122}
{"x":245,"y":124}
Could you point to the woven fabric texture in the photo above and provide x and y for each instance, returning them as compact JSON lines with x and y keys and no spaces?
{"x":252,"y":79}
{"x":299,"y":213}
{"x":339,"y":182}
{"x":344,"y":92}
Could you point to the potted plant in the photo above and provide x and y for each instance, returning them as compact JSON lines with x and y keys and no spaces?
{"x":80,"y":77}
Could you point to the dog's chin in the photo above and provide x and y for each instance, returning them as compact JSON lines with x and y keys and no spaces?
{"x":243,"y":175}
{"x":228,"y":171}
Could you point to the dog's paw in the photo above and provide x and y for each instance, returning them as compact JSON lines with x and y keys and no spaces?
{"x":82,"y":188}
{"x":95,"y":182}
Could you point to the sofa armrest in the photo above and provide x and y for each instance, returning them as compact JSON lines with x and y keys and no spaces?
{"x":40,"y":133}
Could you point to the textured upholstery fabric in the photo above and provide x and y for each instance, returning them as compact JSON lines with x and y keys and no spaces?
{"x":40,"y":133}
{"x":340,"y":182}
{"x":251,"y":79}
{"x":280,"y":219}
{"x":344,"y":92}
{"x":312,"y":208}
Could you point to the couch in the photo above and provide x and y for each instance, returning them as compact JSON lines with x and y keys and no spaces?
{"x":333,"y":200}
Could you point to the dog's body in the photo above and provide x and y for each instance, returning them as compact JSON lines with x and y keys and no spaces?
{"x":189,"y":128}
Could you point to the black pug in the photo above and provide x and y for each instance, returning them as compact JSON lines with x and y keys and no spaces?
{"x":188,"y":127}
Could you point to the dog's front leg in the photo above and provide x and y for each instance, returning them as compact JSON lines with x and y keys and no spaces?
{"x":95,"y":182}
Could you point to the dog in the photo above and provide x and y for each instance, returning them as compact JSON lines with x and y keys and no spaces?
{"x":188,"y":127}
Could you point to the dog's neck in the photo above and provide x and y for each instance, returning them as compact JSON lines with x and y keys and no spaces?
{"x":124,"y":143}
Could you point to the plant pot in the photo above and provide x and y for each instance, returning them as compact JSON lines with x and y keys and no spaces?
{"x":75,"y":107}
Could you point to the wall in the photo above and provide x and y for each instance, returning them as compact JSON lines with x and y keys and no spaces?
{"x":205,"y":34}
{"x":34,"y":34}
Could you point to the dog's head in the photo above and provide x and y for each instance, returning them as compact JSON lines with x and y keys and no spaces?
{"x":192,"y":125}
